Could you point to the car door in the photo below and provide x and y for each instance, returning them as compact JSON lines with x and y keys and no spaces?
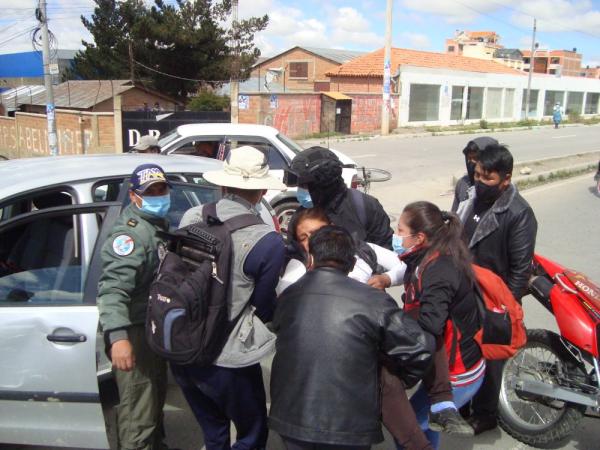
{"x":48,"y":324}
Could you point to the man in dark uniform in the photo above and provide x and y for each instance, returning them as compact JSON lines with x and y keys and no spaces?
{"x":129,"y":261}
{"x":320,"y":183}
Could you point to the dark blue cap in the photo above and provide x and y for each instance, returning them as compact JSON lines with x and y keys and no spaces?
{"x":146,"y":175}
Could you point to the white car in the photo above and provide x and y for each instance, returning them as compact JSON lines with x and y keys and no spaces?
{"x":280,"y":151}
{"x":55,"y":214}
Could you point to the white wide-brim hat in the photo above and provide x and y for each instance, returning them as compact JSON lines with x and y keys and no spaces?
{"x":244,"y":168}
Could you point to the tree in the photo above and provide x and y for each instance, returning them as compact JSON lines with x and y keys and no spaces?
{"x":188,"y":40}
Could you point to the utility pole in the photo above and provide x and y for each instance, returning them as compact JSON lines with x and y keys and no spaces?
{"x":531,"y":68}
{"x":387,"y":71}
{"x":235,"y":64}
{"x":131,"y":67}
{"x":52,"y":140}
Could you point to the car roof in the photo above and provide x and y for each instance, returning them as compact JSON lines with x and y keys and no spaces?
{"x":21,"y":175}
{"x":208,"y":129}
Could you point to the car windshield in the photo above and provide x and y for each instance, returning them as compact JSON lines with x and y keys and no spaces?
{"x":168,"y":138}
{"x":289,"y":143}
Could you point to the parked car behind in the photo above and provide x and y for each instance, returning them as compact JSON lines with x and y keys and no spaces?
{"x":55,"y":213}
{"x":193,"y":139}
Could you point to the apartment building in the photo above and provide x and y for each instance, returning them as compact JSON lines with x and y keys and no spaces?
{"x":554,"y":62}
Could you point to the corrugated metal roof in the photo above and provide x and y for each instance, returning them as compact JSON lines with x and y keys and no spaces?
{"x":338,"y":55}
{"x":13,"y":98}
{"x":83,"y":94}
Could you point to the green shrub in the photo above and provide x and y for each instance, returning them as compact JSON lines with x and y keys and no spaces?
{"x":209,"y":101}
{"x":483,"y":124}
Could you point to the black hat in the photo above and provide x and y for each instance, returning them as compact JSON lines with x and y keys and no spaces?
{"x":479,"y":144}
{"x":317,"y":165}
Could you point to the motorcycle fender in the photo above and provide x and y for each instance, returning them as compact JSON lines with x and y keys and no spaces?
{"x":574,"y":322}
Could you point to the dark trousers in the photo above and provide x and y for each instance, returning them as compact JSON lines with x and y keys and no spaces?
{"x":437,"y":380}
{"x":485,"y":402}
{"x":398,"y":415}
{"x":219,"y":396}
{"x":292,"y":444}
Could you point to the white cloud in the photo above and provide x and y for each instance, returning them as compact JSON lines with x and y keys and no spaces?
{"x":417,"y":41}
{"x":349,"y":19}
{"x":559,"y":15}
{"x":464,"y":11}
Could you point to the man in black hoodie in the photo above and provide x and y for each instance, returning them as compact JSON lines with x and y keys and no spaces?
{"x":461,"y":192}
{"x":320,"y":183}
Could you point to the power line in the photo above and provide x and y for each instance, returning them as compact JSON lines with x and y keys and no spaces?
{"x":178,"y":77}
{"x":15,"y":36}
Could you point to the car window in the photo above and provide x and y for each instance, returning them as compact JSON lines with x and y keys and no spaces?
{"x":41,"y":261}
{"x":185,"y":196}
{"x":33,"y":201}
{"x":275,"y":160}
{"x":289,"y":143}
{"x":207,"y":147}
{"x":107,"y":190}
{"x":169,"y":137}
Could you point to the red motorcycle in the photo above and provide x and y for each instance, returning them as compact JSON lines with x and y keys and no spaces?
{"x":551,"y":382}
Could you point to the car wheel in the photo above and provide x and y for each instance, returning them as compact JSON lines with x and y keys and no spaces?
{"x":285,"y":211}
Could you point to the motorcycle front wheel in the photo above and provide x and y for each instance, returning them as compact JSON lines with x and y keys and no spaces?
{"x":532,"y":419}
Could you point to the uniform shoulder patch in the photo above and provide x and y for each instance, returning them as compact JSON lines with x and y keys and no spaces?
{"x":132,"y":223}
{"x":123,"y":245}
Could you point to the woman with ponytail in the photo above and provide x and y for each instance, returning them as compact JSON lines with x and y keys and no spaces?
{"x":440,"y":294}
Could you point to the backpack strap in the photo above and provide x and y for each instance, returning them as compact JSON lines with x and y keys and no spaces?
{"x":358,"y":200}
{"x":209,"y":216}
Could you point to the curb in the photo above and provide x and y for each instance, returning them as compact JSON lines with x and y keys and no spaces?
{"x":368,"y":137}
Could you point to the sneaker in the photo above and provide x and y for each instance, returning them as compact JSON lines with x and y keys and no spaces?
{"x":481,"y":424}
{"x":449,"y":421}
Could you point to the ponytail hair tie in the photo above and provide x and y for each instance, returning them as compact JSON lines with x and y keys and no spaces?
{"x":446,"y":216}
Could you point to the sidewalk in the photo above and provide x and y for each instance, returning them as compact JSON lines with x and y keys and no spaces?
{"x":408,"y":132}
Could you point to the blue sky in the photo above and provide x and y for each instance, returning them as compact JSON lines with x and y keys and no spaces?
{"x":358,"y":24}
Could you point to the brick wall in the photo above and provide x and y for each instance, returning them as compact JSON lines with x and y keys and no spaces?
{"x":300,"y":115}
{"x":317,"y":68}
{"x":78,"y":132}
{"x":363,"y":85}
{"x":133,"y":99}
{"x":366,"y":112}
{"x":295,"y":115}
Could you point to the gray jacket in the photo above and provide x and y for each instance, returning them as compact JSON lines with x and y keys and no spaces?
{"x":250,"y":340}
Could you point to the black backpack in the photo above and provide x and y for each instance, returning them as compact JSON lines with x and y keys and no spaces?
{"x":187,"y":316}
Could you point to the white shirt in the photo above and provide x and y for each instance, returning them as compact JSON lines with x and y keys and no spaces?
{"x":362,"y":271}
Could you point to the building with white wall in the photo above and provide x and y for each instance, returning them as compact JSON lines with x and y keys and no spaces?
{"x":441,"y":96}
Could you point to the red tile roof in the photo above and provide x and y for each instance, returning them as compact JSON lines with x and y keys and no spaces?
{"x":476,"y":34}
{"x":371,"y":64}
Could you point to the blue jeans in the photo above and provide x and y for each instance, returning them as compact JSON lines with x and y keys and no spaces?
{"x":420,"y":403}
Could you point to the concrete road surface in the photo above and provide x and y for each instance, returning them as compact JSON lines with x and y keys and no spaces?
{"x":427,"y":167}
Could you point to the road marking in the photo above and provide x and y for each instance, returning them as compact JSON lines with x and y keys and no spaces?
{"x":366,"y":155}
{"x":563,"y":137}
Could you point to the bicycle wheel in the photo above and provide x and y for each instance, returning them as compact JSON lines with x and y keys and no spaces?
{"x":373,"y":175}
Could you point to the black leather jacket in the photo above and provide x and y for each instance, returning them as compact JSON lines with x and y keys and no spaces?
{"x":504,"y":240}
{"x":342,"y":208}
{"x":331,"y":331}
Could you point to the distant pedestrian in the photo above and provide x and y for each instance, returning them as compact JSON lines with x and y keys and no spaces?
{"x":464,"y":185}
{"x":156,"y":108}
{"x":331,"y":332}
{"x":146,"y":144}
{"x":320,"y":183}
{"x":557,"y":115}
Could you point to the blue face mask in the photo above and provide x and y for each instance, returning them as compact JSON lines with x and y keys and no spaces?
{"x":398,"y":244}
{"x":156,"y":206}
{"x":303,"y":197}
